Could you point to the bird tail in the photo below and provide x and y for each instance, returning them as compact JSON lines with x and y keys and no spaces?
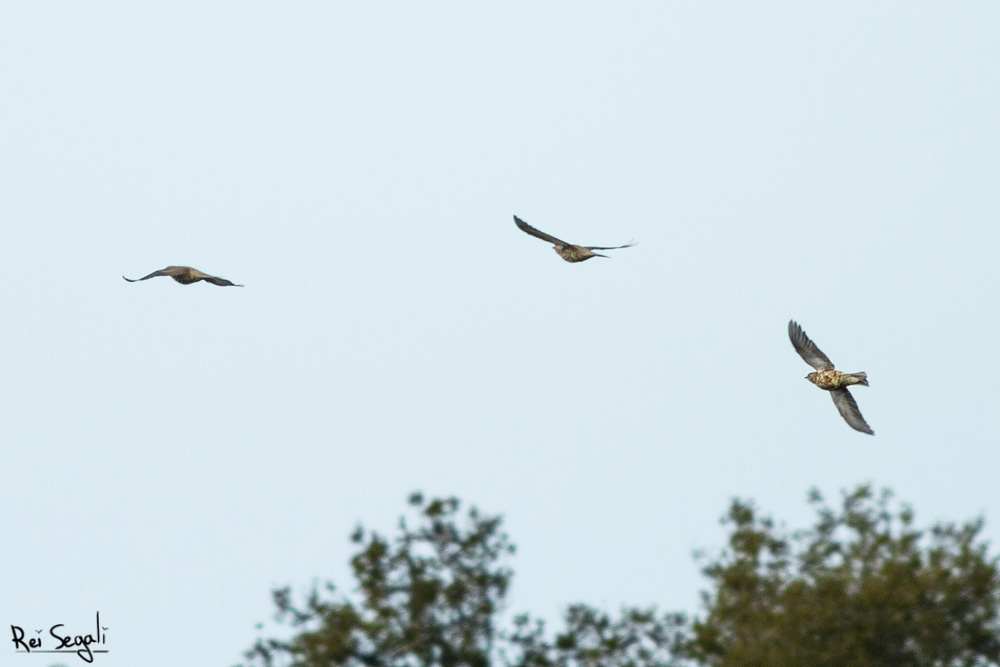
{"x":861,"y":377}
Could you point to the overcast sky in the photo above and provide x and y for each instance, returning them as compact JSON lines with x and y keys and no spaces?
{"x":171,"y":453}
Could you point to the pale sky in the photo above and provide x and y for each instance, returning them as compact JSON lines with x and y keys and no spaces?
{"x":172,"y":453}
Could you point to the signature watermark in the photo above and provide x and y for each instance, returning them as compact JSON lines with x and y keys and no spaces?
{"x":60,"y":640}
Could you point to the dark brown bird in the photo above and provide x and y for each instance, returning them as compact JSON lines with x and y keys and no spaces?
{"x":568,"y":251}
{"x":185,"y":275}
{"x":826,"y":377}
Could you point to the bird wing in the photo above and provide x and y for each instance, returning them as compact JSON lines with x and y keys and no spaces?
{"x":807,"y":349}
{"x":162,"y":272}
{"x":525,"y":227}
{"x":849,"y":411}
{"x":613,"y":247}
{"x":222,"y":282}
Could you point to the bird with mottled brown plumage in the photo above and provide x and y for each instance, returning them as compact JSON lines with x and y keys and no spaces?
{"x":827,"y":377}
{"x":568,"y":251}
{"x":185,"y":275}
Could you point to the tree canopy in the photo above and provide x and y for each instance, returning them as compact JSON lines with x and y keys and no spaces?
{"x":861,"y":588}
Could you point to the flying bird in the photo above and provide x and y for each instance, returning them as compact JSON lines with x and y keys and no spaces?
{"x":826,"y":377}
{"x":185,"y":275}
{"x":568,"y":251}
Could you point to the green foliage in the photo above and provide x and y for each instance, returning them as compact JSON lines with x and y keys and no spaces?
{"x":639,"y":638}
{"x":431,"y":597}
{"x":863,"y":588}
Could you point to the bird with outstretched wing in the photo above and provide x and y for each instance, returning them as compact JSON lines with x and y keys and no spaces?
{"x":568,"y":251}
{"x":186,"y":275}
{"x":827,"y":377}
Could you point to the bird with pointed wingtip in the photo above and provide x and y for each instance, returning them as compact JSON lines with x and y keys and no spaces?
{"x":185,"y":275}
{"x":568,"y":251}
{"x":830,"y":379}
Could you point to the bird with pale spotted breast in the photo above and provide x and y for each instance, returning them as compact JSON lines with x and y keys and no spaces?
{"x":185,"y":275}
{"x":568,"y":251}
{"x":827,"y":377}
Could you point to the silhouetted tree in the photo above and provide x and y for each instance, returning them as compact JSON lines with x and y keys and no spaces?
{"x":639,"y":638}
{"x":863,"y":588}
{"x":431,"y":597}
